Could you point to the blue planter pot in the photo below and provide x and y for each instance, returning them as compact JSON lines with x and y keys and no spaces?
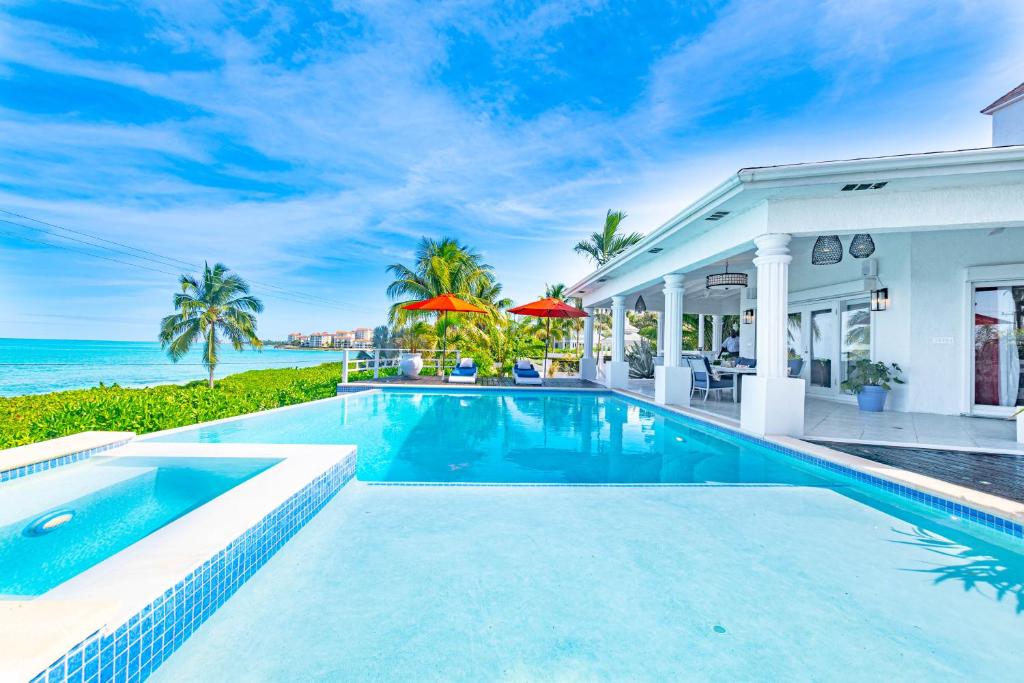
{"x":871,"y":399}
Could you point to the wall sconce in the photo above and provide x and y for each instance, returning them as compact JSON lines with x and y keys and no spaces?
{"x":879,"y":299}
{"x":748,"y":316}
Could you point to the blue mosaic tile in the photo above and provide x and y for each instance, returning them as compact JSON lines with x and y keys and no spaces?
{"x":68,"y":459}
{"x":959,"y":510}
{"x":133,"y":650}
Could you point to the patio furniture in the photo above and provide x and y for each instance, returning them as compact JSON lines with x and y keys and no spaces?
{"x":523,"y":372}
{"x":737,"y":375}
{"x":464,"y":372}
{"x":704,"y":379}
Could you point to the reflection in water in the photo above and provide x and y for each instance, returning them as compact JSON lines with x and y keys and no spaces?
{"x":559,"y":438}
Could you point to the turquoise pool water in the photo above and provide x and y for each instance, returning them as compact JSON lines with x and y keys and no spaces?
{"x":514,"y":437}
{"x":746,"y":565}
{"x":99,"y":507}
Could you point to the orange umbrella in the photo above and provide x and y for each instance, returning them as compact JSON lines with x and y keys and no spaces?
{"x":444,"y":302}
{"x":548,"y":308}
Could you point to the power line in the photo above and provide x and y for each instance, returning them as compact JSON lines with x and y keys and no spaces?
{"x":297,"y":296}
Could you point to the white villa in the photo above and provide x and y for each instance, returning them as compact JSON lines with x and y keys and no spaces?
{"x":916,"y":259}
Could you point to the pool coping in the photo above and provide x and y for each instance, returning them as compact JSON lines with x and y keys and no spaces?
{"x":21,"y":461}
{"x":996,"y":513}
{"x":68,"y":626}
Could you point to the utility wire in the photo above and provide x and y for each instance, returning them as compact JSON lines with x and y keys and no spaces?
{"x":164,"y":260}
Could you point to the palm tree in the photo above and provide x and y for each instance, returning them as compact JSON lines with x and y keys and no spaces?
{"x":602,"y":247}
{"x":218,"y":304}
{"x":445,"y":267}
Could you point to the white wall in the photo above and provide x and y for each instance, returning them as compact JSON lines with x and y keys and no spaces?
{"x":1008,"y":125}
{"x":940,"y":309}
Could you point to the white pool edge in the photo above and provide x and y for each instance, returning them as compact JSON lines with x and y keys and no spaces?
{"x":86,"y":611}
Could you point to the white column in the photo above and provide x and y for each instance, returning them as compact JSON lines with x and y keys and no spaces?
{"x":673,"y":319}
{"x":618,"y":329}
{"x":772,"y":263}
{"x":672,"y":380}
{"x":661,"y":333}
{"x":588,"y":364}
{"x":700,"y":332}
{"x":772,"y":402}
{"x":617,"y":373}
{"x":716,"y":334}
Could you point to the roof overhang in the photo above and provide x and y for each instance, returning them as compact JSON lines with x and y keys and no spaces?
{"x":751,"y":187}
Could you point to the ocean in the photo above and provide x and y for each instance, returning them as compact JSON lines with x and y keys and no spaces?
{"x":36,"y":366}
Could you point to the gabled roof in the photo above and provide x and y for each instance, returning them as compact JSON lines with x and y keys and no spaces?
{"x":1012,"y":96}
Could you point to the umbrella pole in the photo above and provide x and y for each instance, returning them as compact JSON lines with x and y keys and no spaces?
{"x":547,"y":343}
{"x":444,"y":342}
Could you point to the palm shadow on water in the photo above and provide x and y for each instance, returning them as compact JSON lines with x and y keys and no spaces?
{"x":986,"y":566}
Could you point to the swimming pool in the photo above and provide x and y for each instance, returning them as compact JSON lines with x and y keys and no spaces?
{"x":513,"y":437}
{"x":662,"y":550}
{"x":56,"y":524}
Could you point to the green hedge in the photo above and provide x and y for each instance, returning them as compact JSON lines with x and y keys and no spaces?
{"x":27,"y":419}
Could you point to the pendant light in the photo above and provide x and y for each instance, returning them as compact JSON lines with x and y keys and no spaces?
{"x":827,"y":250}
{"x":862,"y":246}
{"x":726,"y":280}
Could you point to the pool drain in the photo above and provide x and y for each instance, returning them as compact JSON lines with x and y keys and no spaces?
{"x":51,"y":521}
{"x":719,"y":628}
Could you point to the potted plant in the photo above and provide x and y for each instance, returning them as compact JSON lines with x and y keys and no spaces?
{"x":870,"y":382}
{"x":795,"y":363}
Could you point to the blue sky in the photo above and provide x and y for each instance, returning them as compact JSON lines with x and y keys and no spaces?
{"x":309,"y":144}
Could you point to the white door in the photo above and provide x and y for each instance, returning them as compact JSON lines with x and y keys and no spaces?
{"x":828,"y":337}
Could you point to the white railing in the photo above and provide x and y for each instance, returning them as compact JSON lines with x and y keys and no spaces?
{"x":382,"y":359}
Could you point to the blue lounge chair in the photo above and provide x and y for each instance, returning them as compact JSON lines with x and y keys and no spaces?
{"x":704,"y":379}
{"x":524,"y":373}
{"x":464,"y":372}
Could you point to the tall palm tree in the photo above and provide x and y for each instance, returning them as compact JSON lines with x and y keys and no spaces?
{"x":602,"y":247}
{"x":445,"y":267}
{"x":217,"y":304}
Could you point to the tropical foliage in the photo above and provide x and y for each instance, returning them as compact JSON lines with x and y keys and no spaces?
{"x":640,"y":356}
{"x":601,"y":247}
{"x":215,"y":306}
{"x":864,"y":373}
{"x":27,"y":419}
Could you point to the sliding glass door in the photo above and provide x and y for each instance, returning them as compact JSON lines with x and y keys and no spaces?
{"x":998,"y":356}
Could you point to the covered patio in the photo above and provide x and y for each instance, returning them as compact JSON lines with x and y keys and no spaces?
{"x":913,"y":259}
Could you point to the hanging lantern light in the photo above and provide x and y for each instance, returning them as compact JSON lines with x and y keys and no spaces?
{"x":828,"y":249}
{"x":726,"y":280}
{"x":862,"y":246}
{"x":641,"y":306}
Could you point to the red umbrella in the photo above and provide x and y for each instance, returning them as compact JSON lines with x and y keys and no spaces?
{"x":548,"y":308}
{"x":444,"y":302}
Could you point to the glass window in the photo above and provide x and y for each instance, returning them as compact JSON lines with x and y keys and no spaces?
{"x":822,"y":341}
{"x":855,"y":335}
{"x":998,"y":345}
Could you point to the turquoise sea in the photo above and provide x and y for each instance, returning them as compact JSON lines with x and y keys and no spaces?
{"x":36,"y":366}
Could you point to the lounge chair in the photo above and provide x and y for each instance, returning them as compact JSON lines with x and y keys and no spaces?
{"x":524,"y":373}
{"x":704,"y":378}
{"x":464,"y":372}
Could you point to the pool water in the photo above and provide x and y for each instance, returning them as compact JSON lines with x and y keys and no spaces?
{"x":56,"y":524}
{"x":514,"y":437}
{"x":741,"y":564}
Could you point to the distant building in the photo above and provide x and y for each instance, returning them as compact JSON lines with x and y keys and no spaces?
{"x":296,"y":338}
{"x":319,"y":340}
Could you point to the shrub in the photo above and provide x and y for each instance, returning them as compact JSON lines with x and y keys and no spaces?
{"x":27,"y":419}
{"x":640,"y":356}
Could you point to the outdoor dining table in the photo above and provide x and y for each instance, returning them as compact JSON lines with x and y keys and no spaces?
{"x":737,"y":372}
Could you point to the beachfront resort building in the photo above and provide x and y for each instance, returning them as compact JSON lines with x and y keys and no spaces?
{"x":914,"y":259}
